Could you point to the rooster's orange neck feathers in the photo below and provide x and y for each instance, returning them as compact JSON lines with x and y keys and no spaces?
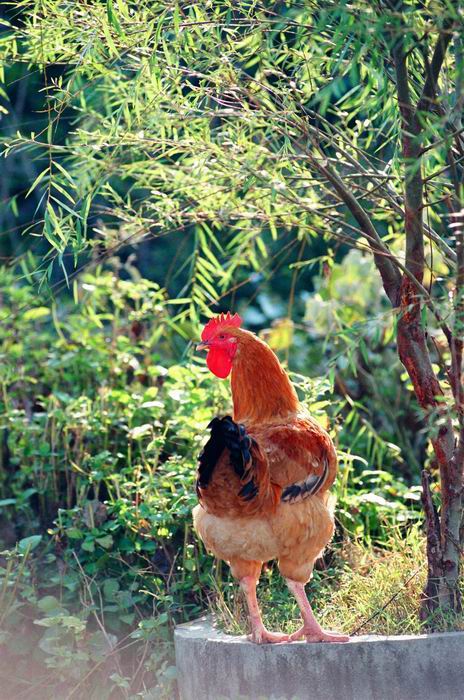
{"x":261,"y":390}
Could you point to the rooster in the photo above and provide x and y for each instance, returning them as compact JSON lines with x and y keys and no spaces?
{"x":264,"y":476}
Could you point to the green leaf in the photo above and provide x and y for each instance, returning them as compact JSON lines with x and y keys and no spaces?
{"x":35,"y":313}
{"x":65,"y":206}
{"x":67,"y":175}
{"x":141,"y":431}
{"x":48,"y":603}
{"x":74,"y":533}
{"x":27,"y":544}
{"x":106,"y":542}
{"x":67,"y":621}
{"x":112,"y":17}
{"x":88,"y":545}
{"x":38,"y":179}
{"x":7,"y":502}
{"x":110,"y":587}
{"x":128,"y":619}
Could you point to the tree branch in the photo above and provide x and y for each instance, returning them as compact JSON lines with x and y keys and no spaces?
{"x":429,"y":91}
{"x":390,"y":276}
{"x":386,"y":189}
{"x":411,"y":153}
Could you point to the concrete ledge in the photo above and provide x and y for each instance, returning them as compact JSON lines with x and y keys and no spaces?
{"x":215,"y":666}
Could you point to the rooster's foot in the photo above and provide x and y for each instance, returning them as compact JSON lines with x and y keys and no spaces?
{"x":262,"y":636}
{"x":317,"y":634}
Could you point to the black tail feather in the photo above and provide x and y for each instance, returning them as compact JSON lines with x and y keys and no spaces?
{"x":226,"y":434}
{"x":210,"y":454}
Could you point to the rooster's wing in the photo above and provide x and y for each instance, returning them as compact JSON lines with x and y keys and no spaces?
{"x":301,"y":456}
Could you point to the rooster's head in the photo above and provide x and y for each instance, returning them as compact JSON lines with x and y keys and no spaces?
{"x":220,"y":337}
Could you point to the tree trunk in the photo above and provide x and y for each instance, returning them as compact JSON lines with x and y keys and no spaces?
{"x":443,"y":530}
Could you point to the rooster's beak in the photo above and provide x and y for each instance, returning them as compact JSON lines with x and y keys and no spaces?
{"x":203,"y":346}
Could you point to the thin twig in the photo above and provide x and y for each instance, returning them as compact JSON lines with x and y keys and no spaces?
{"x":389,"y":601}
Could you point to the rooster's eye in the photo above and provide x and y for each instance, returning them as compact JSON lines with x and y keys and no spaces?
{"x":222,"y":336}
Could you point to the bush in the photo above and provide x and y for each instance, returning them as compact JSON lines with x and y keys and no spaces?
{"x":100,"y":435}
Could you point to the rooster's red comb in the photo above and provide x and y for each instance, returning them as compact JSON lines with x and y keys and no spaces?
{"x":218,"y":322}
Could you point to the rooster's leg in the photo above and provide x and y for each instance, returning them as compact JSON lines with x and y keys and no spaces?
{"x":311,"y":629}
{"x":259,"y":633}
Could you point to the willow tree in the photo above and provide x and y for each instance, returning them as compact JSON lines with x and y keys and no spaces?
{"x":335,"y":119}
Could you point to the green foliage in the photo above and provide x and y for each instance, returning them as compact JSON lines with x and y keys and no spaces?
{"x":207,"y":118}
{"x":59,"y":646}
{"x":352,"y":329}
{"x":100,"y":437}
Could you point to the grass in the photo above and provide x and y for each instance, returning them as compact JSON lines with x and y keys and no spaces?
{"x":363,"y":590}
